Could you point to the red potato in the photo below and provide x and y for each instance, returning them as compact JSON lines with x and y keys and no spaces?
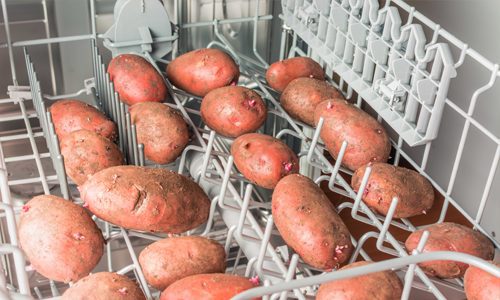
{"x":367,"y":141}
{"x":309,"y":224}
{"x":161,"y":130}
{"x":233,"y":110}
{"x":136,"y":80}
{"x":59,"y":238}
{"x":481,"y":285}
{"x":73,"y":115}
{"x":263,"y":159}
{"x":302,"y":95}
{"x":281,"y":73}
{"x":414,"y":191}
{"x":167,"y":261}
{"x":200,"y":71}
{"x":207,"y":287}
{"x":450,"y":237}
{"x":377,"y":286}
{"x":104,"y":286}
{"x":147,"y":199}
{"x":86,"y":153}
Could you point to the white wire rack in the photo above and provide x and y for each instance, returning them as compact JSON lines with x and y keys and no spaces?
{"x":240,"y":214}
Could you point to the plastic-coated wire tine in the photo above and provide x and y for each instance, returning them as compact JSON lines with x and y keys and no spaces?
{"x":182,"y":161}
{"x":213,"y":206}
{"x":108,"y":247}
{"x":461,"y":145}
{"x":120,"y":121}
{"x":58,"y":160}
{"x":130,"y":150}
{"x":266,"y":283}
{"x":264,"y":244}
{"x":134,"y":145}
{"x":140,"y":149}
{"x":290,"y":273}
{"x":244,"y":209}
{"x":225,"y":182}
{"x":126,"y":269}
{"x":54,"y":289}
{"x":315,"y":139}
{"x":361,"y":190}
{"x":229,"y":239}
{"x":336,"y":167}
{"x":208,"y":153}
{"x":249,"y":268}
{"x":489,"y":182}
{"x":359,"y":246}
{"x":410,"y":273}
{"x":385,"y":227}
{"x":137,"y":266}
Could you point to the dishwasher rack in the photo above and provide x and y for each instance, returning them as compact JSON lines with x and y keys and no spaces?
{"x":240,"y":214}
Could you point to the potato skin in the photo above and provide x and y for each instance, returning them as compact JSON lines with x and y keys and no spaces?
{"x":302,"y":95}
{"x":449,"y":236}
{"x":378,"y":286}
{"x":72,"y":115}
{"x":86,"y":153}
{"x":415,"y":192}
{"x":481,"y":285}
{"x":263,"y":159}
{"x":104,"y":286}
{"x":147,"y":199}
{"x":367,"y":140}
{"x":281,"y":73}
{"x":136,"y":80}
{"x":309,"y":224}
{"x":233,"y":110}
{"x":207,"y":287}
{"x":172,"y":259}
{"x":200,"y":71}
{"x":59,"y":238}
{"x":161,"y":129}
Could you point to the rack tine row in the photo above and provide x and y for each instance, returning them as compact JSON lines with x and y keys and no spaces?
{"x":47,"y":126}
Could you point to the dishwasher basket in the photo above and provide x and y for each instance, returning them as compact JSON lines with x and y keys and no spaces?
{"x":388,"y":58}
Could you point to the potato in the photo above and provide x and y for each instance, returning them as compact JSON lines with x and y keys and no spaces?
{"x":302,"y":95}
{"x":233,"y":110}
{"x":73,"y":115}
{"x":136,"y":80}
{"x":263,"y":159}
{"x":415,"y":192}
{"x":86,"y":153}
{"x":380,"y":286}
{"x":104,"y":286}
{"x":207,"y":287}
{"x":281,"y":73}
{"x":59,"y":238}
{"x":161,"y":129}
{"x":200,"y":71}
{"x":172,"y":259}
{"x":450,"y":237}
{"x":147,"y":199}
{"x":367,"y":141}
{"x":481,"y":285}
{"x":309,"y":224}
